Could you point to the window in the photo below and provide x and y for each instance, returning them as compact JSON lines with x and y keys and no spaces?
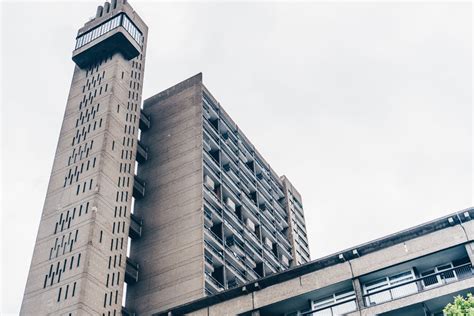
{"x":339,"y":303}
{"x":109,"y":25}
{"x":389,"y":284}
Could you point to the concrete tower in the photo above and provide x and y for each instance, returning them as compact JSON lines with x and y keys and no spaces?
{"x":215,"y":214}
{"x":79,"y":260}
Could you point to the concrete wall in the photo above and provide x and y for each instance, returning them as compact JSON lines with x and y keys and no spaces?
{"x":170,"y":251}
{"x":79,"y":229}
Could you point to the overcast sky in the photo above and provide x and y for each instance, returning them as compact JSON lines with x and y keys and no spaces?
{"x":367,"y":108}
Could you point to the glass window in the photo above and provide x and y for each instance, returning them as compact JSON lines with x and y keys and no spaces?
{"x":108,"y":26}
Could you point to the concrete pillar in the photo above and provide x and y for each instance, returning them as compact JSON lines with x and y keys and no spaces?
{"x":470,"y":251}
{"x":358,"y":293}
{"x":255,"y":313}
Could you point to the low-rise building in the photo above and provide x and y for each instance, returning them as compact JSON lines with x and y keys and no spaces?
{"x":413,"y":272}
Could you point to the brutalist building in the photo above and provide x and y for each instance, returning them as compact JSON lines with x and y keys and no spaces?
{"x":169,"y":209}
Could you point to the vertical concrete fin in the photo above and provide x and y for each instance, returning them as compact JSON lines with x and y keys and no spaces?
{"x":99,"y":12}
{"x":106,"y":7}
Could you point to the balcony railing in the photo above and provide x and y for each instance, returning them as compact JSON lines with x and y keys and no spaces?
{"x":214,"y":282}
{"x":145,"y":122}
{"x":214,"y":250}
{"x":136,"y":223}
{"x":211,"y":162}
{"x":217,"y":239}
{"x":211,"y":130}
{"x":338,"y":308}
{"x":211,"y":197}
{"x":414,"y":286}
{"x":235,"y":270}
{"x":138,"y":188}
{"x":131,"y":272}
{"x":233,"y":243}
{"x":142,"y":152}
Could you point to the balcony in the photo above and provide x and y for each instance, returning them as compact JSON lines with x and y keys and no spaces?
{"x":214,"y":285}
{"x":232,"y":171}
{"x":142,"y":152}
{"x":263,"y":181}
{"x":229,"y":183}
{"x":255,"y":250}
{"x":213,"y":256}
{"x":271,"y":259}
{"x":138,"y":188}
{"x":209,"y":106}
{"x":211,"y":131}
{"x":250,"y":213}
{"x":405,"y":284}
{"x":126,"y":312}
{"x":245,"y":171}
{"x":209,"y":263}
{"x":231,"y":140}
{"x":233,"y":225}
{"x":250,"y":204}
{"x":212,"y":163}
{"x":215,"y":239}
{"x":267,"y":197}
{"x":131,"y":272}
{"x":229,"y":151}
{"x":251,"y":237}
{"x":283,"y":240}
{"x":281,"y":211}
{"x":235,"y":245}
{"x":207,"y":218}
{"x":145,"y":122}
{"x":135,"y":230}
{"x":235,"y":271}
{"x":211,"y":198}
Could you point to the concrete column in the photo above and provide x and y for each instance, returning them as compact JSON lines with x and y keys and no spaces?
{"x":358,"y":292}
{"x":470,"y":251}
{"x":255,"y":313}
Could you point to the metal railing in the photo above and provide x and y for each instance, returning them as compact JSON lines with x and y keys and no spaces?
{"x":214,"y":249}
{"x":212,"y":280}
{"x":417,"y":285}
{"x":334,"y":309}
{"x":213,"y":235}
{"x":235,"y":269}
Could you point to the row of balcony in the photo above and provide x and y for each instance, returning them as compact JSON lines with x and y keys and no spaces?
{"x":242,"y":246}
{"x":254,"y":204}
{"x":238,"y":149}
{"x":258,"y":237}
{"x":136,"y":223}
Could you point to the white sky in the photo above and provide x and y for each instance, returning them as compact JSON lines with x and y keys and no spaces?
{"x":367,"y":108}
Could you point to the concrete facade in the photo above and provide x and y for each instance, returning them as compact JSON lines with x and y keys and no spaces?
{"x":79,"y":260}
{"x":170,"y":252}
{"x":215,"y":215}
{"x":437,"y":253}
